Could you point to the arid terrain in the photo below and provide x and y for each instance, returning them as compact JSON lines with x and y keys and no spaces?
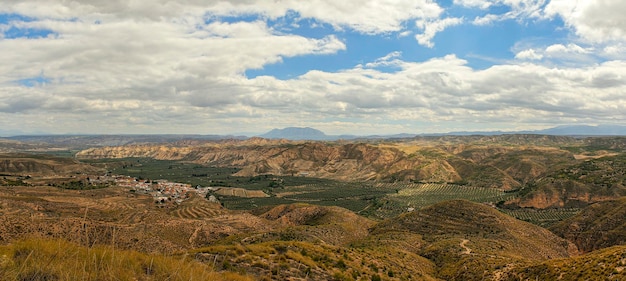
{"x":511,"y":207}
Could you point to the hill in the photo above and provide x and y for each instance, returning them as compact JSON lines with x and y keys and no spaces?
{"x":325,"y":224}
{"x":453,"y":240}
{"x":69,"y":261}
{"x":442,"y":159}
{"x":470,"y":241}
{"x":606,"y":264}
{"x":598,"y":226}
{"x":41,"y":164}
{"x":548,"y":171}
{"x":589,"y":181}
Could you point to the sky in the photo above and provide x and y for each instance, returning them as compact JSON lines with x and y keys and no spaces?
{"x":344,"y":67}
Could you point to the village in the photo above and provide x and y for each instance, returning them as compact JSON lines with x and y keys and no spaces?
{"x":162,"y":191}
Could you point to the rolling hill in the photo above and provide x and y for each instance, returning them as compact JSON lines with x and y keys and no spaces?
{"x":469,"y":241}
{"x":598,"y":226}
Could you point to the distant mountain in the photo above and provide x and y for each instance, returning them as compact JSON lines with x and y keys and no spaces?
{"x":296,"y":133}
{"x":585,"y":130}
{"x":567,"y":130}
{"x":112,"y":140}
{"x":8,"y":133}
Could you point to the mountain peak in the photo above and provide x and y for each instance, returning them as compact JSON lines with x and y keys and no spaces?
{"x":295,"y":133}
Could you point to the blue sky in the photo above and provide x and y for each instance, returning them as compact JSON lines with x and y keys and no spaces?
{"x":357,"y":67}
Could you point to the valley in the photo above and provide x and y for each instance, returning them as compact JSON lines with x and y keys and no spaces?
{"x":509,"y":207}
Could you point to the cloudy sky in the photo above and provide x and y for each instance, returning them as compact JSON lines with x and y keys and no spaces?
{"x":353,"y":66}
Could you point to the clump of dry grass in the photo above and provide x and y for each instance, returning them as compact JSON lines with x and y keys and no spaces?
{"x":40,"y":259}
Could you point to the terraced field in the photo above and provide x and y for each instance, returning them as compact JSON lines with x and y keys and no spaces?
{"x":543,"y":218}
{"x":196,"y":212}
{"x":421,"y":195}
{"x":241,"y":192}
{"x":197,"y":208}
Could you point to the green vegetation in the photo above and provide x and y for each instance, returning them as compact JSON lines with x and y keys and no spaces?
{"x":196,"y":174}
{"x":422,"y":195}
{"x":283,"y":189}
{"x":603,"y":172}
{"x":12,"y":181}
{"x":69,"y":153}
{"x":375,"y":200}
{"x":78,"y":185}
{"x":544,"y":218}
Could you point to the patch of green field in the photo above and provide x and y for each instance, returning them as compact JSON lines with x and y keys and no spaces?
{"x":59,"y":153}
{"x":352,"y":196}
{"x":544,"y":218}
{"x":196,"y":174}
{"x":407,"y":196}
{"x":290,"y":189}
{"x":421,"y":195}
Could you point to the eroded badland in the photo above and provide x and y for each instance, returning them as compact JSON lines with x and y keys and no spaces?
{"x":510,"y":207}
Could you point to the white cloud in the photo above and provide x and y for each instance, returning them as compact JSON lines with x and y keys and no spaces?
{"x":519,"y":10}
{"x":436,"y":91}
{"x":560,"y":54}
{"x":596,"y":21}
{"x":370,"y":16}
{"x":614,"y":51}
{"x":139,"y":67}
{"x":560,"y":50}
{"x":528,"y":54}
{"x":431,"y":28}
{"x":481,"y":4}
{"x":390,"y":59}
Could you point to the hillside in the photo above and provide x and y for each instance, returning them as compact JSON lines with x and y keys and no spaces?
{"x":69,"y":261}
{"x":445,"y":159}
{"x":452,"y":240}
{"x":468,"y":240}
{"x":549,"y":171}
{"x":598,"y":226}
{"x":328,"y":225}
{"x":29,"y":164}
{"x":592,"y":180}
{"x":292,"y":241}
{"x":606,"y":264}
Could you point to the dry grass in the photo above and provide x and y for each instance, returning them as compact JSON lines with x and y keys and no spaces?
{"x":39,"y":259}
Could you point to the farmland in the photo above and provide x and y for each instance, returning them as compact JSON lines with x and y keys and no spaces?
{"x":544,"y":218}
{"x":371,"y":199}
